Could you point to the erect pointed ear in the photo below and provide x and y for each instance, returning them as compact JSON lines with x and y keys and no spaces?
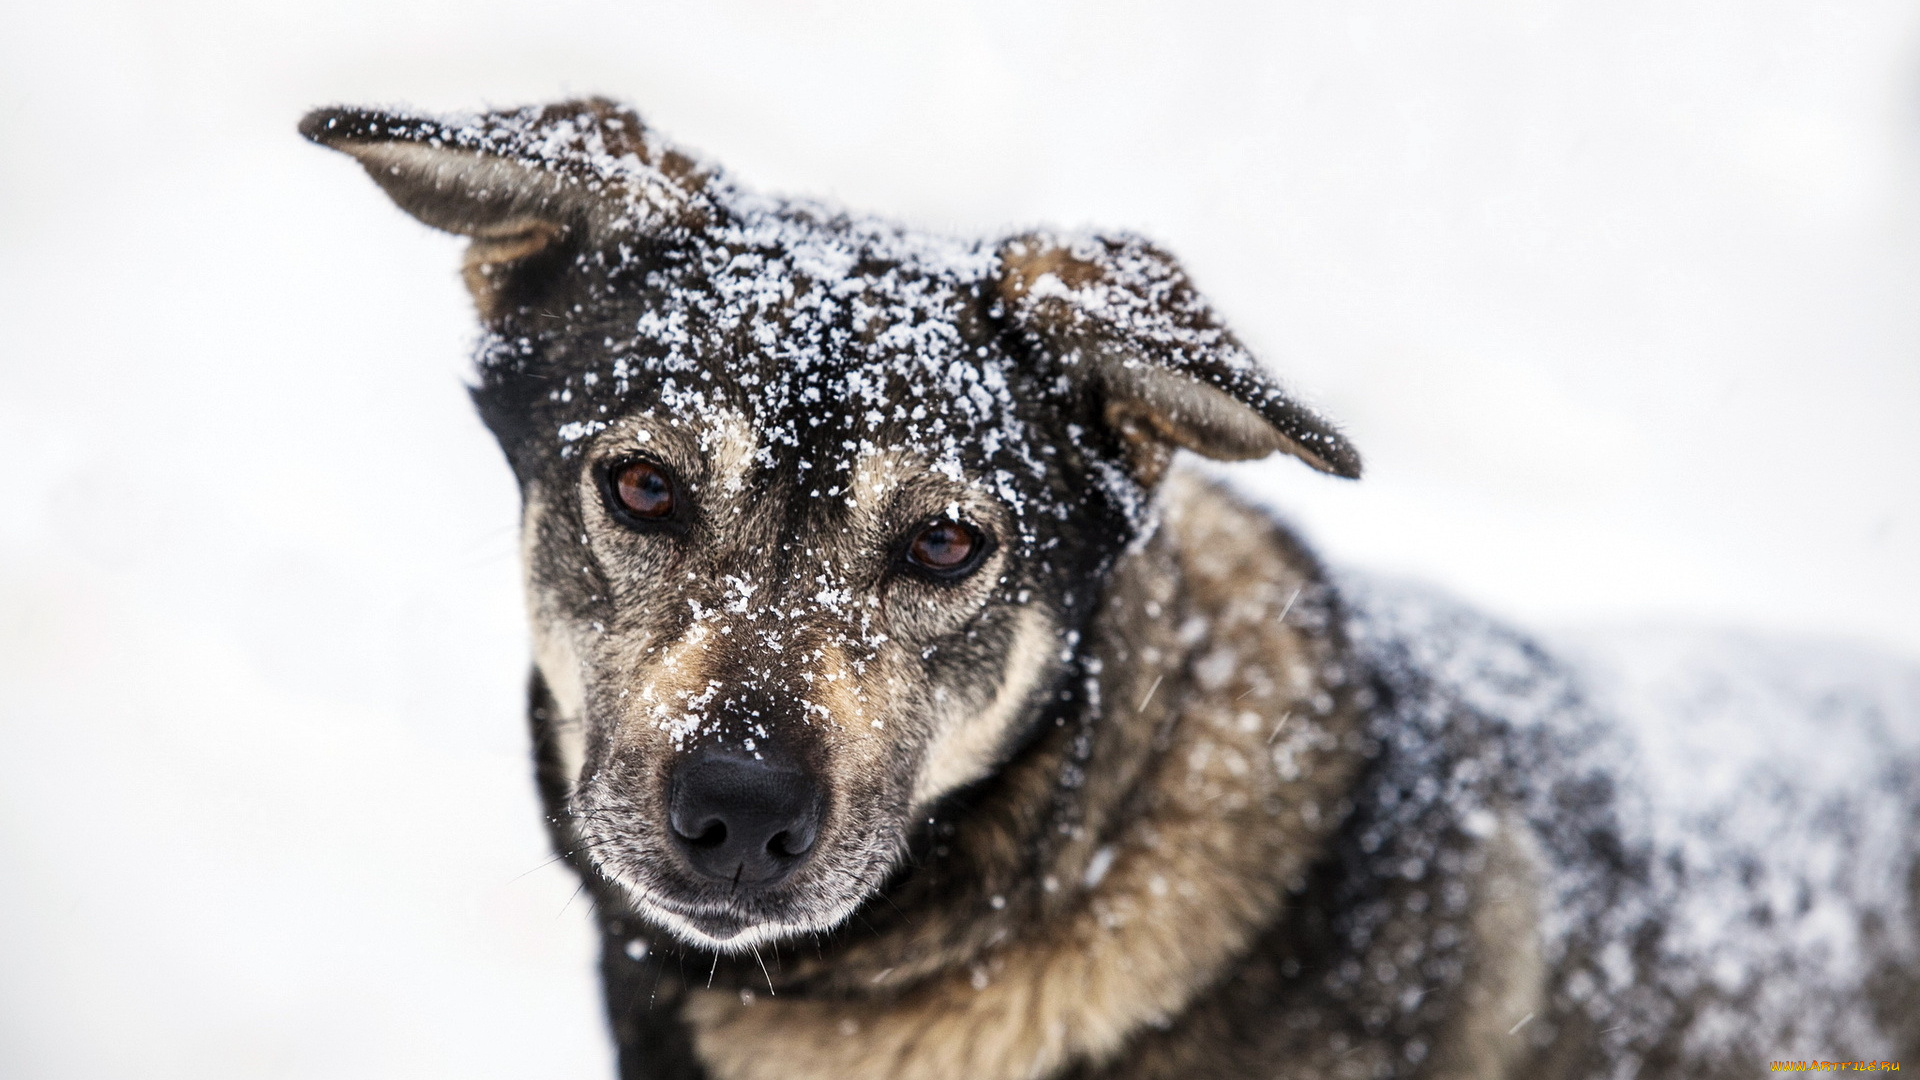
{"x":524,"y":184}
{"x":1121,"y":317}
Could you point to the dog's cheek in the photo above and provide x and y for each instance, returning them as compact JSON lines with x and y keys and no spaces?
{"x":555,"y":653}
{"x":559,"y":665}
{"x":973,"y":719}
{"x":869,"y":816}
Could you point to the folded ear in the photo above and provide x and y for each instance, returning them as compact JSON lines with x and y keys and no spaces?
{"x":1121,"y":317}
{"x":524,"y":184}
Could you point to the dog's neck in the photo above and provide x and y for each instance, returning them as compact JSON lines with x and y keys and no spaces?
{"x":1061,"y":911}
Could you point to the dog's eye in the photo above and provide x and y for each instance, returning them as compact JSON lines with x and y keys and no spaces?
{"x":642,"y":490}
{"x":947,"y":548}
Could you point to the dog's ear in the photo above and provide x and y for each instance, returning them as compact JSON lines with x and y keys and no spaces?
{"x":525,"y":184}
{"x":1121,"y":318}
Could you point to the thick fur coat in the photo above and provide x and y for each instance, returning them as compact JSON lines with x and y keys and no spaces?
{"x":1067,"y":763}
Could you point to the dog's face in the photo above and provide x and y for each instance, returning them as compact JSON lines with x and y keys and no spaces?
{"x":807,"y":571}
{"x":814,"y":508}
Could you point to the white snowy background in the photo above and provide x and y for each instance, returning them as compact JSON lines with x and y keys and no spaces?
{"x":1621,"y":301}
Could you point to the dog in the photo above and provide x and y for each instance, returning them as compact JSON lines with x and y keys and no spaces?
{"x":909,"y":711}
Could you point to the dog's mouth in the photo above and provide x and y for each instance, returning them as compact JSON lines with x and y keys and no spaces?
{"x":731,"y":923}
{"x":720,"y":929}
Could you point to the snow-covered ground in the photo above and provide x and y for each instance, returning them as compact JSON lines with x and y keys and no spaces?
{"x":1617,"y":299}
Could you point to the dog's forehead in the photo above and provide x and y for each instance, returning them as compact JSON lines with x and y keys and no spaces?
{"x":837,"y":339}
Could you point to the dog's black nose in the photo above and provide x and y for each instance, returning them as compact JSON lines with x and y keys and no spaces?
{"x":742,"y":819}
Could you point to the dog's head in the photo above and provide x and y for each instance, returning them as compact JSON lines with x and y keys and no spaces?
{"x":814,"y":508}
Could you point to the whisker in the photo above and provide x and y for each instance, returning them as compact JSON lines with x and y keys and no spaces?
{"x":763,"y":971}
{"x":863,"y":883}
{"x":549,"y":861}
{"x":658,"y":971}
{"x":569,"y":853}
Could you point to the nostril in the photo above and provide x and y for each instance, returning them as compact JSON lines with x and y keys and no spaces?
{"x":788,"y":844}
{"x":711,"y":835}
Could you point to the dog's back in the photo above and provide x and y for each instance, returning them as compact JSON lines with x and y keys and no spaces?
{"x":1724,"y":833}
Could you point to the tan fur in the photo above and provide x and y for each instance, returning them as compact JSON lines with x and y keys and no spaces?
{"x":555,"y":655}
{"x":1503,"y":991}
{"x":728,"y":441}
{"x":1025,"y":263}
{"x":964,"y":747}
{"x":875,"y":475}
{"x":490,"y":254}
{"x":1148,"y":452}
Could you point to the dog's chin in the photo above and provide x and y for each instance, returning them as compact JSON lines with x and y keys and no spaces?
{"x":730,"y":931}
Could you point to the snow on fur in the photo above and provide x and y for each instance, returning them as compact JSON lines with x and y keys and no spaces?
{"x":1728,"y":821}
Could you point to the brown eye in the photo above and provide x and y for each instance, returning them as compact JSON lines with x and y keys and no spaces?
{"x":944,"y":547}
{"x":643,"y":491}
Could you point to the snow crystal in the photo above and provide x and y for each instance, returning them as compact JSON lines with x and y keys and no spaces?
{"x":1098,"y":866}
